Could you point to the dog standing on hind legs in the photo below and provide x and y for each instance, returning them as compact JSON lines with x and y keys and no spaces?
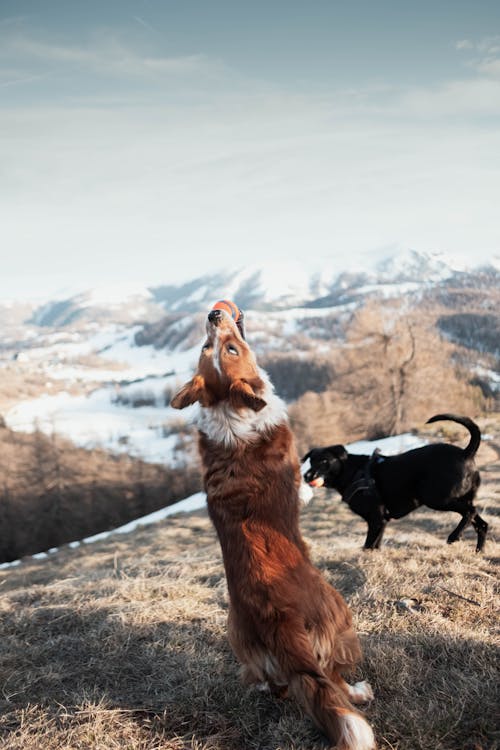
{"x":287,"y":626}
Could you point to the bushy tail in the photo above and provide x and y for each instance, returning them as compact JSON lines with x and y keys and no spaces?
{"x":321,"y":698}
{"x":328,"y":706}
{"x":475,"y":434}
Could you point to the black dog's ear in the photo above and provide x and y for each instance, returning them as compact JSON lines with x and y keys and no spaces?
{"x":304,"y":458}
{"x":338,"y":451}
{"x":343,"y":455}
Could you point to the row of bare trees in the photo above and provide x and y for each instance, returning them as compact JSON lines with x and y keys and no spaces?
{"x":392,"y":373}
{"x":52,"y":492}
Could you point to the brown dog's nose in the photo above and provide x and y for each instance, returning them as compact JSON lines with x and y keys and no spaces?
{"x":214,"y":316}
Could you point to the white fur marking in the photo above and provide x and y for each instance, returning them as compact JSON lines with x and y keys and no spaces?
{"x":262,"y":687}
{"x":361,"y":692}
{"x":224,"y":424}
{"x":305,"y":493}
{"x":356,"y":733}
{"x":216,"y":354}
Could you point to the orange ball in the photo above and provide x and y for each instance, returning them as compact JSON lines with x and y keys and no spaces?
{"x":229,"y":307}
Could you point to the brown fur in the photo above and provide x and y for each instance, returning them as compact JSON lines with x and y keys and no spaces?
{"x":287,"y":626}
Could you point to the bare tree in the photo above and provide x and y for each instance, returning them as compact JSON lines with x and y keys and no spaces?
{"x":393,"y":372}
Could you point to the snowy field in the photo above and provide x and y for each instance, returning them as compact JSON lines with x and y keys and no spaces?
{"x":60,"y":354}
{"x":98,"y":421}
{"x":105,"y":417}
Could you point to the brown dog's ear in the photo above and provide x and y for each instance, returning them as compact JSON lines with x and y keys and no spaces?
{"x":241,"y":395}
{"x":190,"y":393}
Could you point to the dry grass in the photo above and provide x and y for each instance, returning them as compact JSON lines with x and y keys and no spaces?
{"x":122,"y":644}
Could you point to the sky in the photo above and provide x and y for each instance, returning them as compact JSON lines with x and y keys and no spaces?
{"x":150,"y":141}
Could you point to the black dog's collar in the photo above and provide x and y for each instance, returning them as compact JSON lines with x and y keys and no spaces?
{"x":376,"y":457}
{"x":359,"y":485}
{"x":364,"y":480}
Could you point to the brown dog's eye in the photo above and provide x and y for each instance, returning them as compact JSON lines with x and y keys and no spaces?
{"x":232,"y":349}
{"x":205,"y":347}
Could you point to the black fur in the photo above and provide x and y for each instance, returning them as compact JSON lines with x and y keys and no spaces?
{"x":378,"y":488}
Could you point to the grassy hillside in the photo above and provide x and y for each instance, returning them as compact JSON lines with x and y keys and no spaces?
{"x":122,"y":644}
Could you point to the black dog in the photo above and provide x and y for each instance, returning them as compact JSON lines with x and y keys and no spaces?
{"x":379,"y":488}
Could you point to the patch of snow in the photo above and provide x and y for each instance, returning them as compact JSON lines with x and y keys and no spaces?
{"x":94,"y":421}
{"x":189,"y":504}
{"x":388,"y":446}
{"x":58,"y":352}
{"x":490,"y":375}
{"x":12,"y":564}
{"x":100,"y":419}
{"x":112,"y":295}
{"x":278,"y":284}
{"x":388,"y":290}
{"x":198,"y":295}
{"x":287,"y":322}
{"x":428,"y":266}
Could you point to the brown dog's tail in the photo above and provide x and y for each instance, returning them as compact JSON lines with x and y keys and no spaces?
{"x":327,"y":704}
{"x":321,"y":698}
{"x":470,"y":450}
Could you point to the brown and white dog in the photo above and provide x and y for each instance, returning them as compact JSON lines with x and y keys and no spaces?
{"x":287,"y":626}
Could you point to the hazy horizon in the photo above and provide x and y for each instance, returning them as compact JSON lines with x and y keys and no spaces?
{"x":147,"y":140}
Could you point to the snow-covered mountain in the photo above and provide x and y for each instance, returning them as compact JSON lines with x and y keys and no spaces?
{"x":273,"y":287}
{"x":119,"y":304}
{"x":101,"y":364}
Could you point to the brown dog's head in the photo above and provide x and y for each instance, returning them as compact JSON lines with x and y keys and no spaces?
{"x":227,"y":370}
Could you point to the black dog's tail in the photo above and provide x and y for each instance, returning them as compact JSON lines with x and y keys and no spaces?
{"x":475,"y":433}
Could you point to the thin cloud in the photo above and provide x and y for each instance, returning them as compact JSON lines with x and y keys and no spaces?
{"x":467,"y":98}
{"x":19,"y":81}
{"x":12,"y":21}
{"x":490,"y":67}
{"x":490,"y":45}
{"x":143,"y":23}
{"x":108,"y":55}
{"x":475,"y":98}
{"x":487,"y":55}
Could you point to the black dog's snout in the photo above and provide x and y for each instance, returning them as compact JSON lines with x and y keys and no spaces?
{"x":214,"y":316}
{"x":309,"y":475}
